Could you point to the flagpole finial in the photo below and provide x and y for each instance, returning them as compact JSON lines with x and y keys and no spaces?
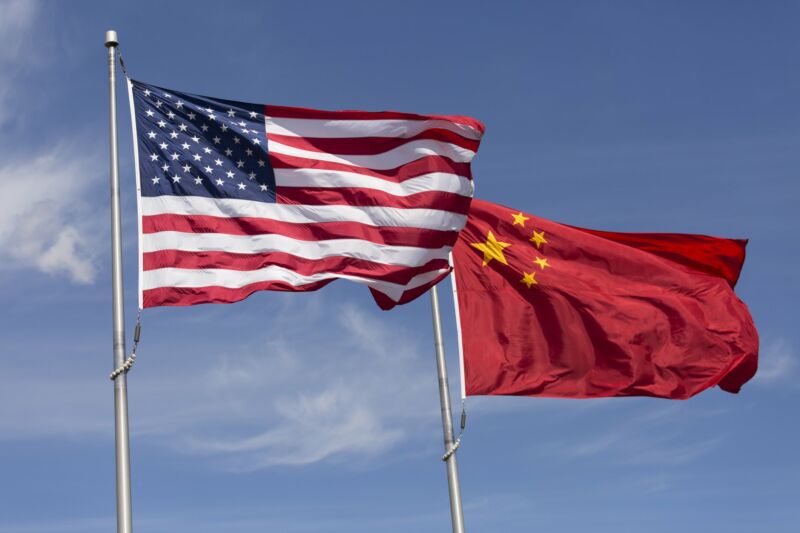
{"x":111,"y":38}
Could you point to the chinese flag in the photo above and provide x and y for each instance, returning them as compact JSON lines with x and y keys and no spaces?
{"x":552,"y":310}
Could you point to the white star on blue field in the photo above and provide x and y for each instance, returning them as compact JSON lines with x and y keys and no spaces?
{"x":319,"y":412}
{"x":225,"y":155}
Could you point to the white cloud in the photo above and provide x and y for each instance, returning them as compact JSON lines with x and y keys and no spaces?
{"x":43,"y":221}
{"x":777,"y":361}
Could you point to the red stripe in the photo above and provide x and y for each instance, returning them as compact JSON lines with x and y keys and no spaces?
{"x":421,"y":238}
{"x":371,"y":145}
{"x":302,"y":112}
{"x":418,"y":167}
{"x":444,"y":201}
{"x":218,"y":295}
{"x":306,"y":267}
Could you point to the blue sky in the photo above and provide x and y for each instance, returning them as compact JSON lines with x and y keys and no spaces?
{"x":319,"y":412}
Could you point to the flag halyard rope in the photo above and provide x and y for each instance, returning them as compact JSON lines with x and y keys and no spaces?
{"x":122,"y":63}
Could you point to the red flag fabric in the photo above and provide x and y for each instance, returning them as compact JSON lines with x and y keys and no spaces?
{"x":552,"y":310}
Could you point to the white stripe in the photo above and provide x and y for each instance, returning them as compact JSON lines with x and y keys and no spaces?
{"x":398,"y":156}
{"x":434,"y":181}
{"x":303,"y":214}
{"x":235,"y":279}
{"x":409,"y":256}
{"x":329,"y":129}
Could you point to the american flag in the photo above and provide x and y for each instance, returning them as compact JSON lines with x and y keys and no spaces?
{"x":235,"y":198}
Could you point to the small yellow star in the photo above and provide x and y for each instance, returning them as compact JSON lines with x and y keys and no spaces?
{"x":538,"y":238}
{"x":529,"y":279}
{"x":520,"y":219}
{"x":492,"y":249}
{"x":542,"y":262}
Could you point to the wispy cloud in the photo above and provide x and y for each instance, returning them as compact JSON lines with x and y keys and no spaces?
{"x":34,"y":405}
{"x":778,"y":362}
{"x":352,"y":390}
{"x":672,"y":452}
{"x":16,"y":22}
{"x":18,"y":17}
{"x":653,"y":483}
{"x":361,"y":394}
{"x":310,"y":517}
{"x":642,"y":439}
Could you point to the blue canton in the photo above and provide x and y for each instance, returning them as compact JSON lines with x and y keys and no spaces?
{"x":192,"y":145}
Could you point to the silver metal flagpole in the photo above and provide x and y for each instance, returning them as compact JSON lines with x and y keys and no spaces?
{"x":124,"y":515}
{"x":456,"y":514}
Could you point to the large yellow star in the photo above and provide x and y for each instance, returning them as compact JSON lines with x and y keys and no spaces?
{"x":529,"y":279}
{"x":542,"y":262}
{"x":520,"y":219}
{"x":538,"y":238}
{"x":492,"y":249}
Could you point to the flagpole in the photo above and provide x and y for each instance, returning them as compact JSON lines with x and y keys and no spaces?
{"x":124,"y":515}
{"x":456,"y":513}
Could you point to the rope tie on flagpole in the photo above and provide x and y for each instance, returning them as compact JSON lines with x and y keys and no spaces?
{"x":449,"y":453}
{"x":132,"y":357}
